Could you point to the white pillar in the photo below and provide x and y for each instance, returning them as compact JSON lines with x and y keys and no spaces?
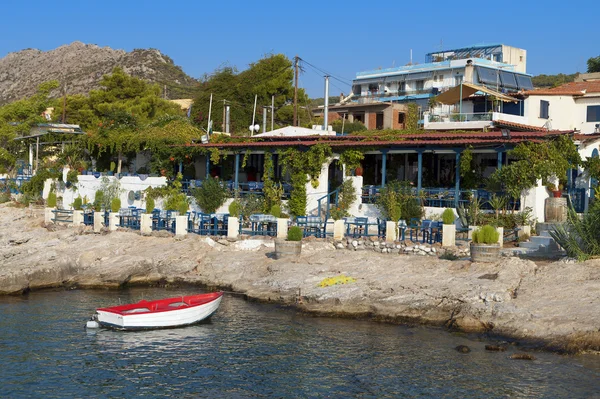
{"x":48,"y":215}
{"x":233,"y":227}
{"x":338,"y":230}
{"x":181,"y":225}
{"x":113,"y":221}
{"x":146,"y":223}
{"x":524,"y":230}
{"x":77,"y":218}
{"x":282,"y":228}
{"x":448,"y":235}
{"x":357,"y":183}
{"x":98,"y":221}
{"x":391,"y":231}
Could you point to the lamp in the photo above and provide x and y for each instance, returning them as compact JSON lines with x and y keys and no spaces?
{"x":505,"y":133}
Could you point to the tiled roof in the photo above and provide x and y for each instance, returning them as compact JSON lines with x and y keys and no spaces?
{"x":568,"y":89}
{"x":519,"y":126}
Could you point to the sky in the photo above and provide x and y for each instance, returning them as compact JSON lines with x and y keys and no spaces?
{"x":339,"y":37}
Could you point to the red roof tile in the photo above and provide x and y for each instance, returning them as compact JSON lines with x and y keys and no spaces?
{"x":568,"y":89}
{"x":519,"y":126}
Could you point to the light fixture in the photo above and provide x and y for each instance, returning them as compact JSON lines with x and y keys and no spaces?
{"x":505,"y":133}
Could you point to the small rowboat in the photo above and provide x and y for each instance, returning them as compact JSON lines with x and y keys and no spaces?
{"x":162,"y":313}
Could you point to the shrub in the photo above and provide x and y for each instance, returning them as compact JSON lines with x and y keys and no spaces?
{"x":182,"y":208}
{"x":149,"y":205}
{"x":448,"y":216}
{"x":580,"y":236}
{"x":486,"y":235}
{"x":77,"y":203}
{"x":98,"y":200}
{"x":115,"y":205}
{"x":235,"y":209}
{"x":211,"y":195}
{"x":397,"y":201}
{"x":275,"y":211}
{"x":294,"y":234}
{"x":252,"y":204}
{"x":51,"y":201}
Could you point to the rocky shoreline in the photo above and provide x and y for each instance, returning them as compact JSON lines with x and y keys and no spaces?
{"x":554,"y":305}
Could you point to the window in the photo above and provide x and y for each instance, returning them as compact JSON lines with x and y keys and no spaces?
{"x":544,"y":108}
{"x":420,"y":84}
{"x":402,"y":87}
{"x":593,"y":113}
{"x":373,"y":88}
{"x":401,"y":117}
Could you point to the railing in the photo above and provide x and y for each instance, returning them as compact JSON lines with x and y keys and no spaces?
{"x":443,"y":197}
{"x":14,"y":185}
{"x":130,"y":218}
{"x":461,"y":117}
{"x":328,"y":202}
{"x":243,"y":189}
{"x":377,"y":97}
{"x":213,"y":224}
{"x":62,"y":216}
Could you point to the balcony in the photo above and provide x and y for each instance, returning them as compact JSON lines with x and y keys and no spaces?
{"x":461,"y":121}
{"x":375,"y":97}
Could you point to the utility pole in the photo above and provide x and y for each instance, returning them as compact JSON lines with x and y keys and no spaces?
{"x":264,"y":119}
{"x":326,"y":106}
{"x":272,"y":111}
{"x":296,"y":91}
{"x":223,"y":124}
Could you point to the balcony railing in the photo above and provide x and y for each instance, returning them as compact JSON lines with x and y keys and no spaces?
{"x":461,"y":117}
{"x":378,"y":97}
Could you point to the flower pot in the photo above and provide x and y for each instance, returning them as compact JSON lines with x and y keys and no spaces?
{"x":287,"y":249}
{"x":557,"y":194}
{"x":358,"y":171}
{"x":484,"y":252}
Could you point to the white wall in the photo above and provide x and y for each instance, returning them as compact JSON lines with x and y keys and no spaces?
{"x":88,"y":185}
{"x":562,"y":112}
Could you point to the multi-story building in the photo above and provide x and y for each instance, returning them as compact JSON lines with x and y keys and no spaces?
{"x":498,"y":68}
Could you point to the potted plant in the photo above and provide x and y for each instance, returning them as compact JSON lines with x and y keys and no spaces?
{"x":290,"y":247}
{"x":448,"y":228}
{"x":556,"y":192}
{"x":485,"y":246}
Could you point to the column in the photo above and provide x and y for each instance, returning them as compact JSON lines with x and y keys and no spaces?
{"x":419,"y":170}
{"x":383,"y":167}
{"x":237,"y":171}
{"x":457,"y":179}
{"x":499,"y":160}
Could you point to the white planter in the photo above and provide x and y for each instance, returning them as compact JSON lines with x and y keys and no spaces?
{"x":146,"y":223}
{"x":77,"y":218}
{"x":500,"y":231}
{"x":98,"y":221}
{"x":181,"y":225}
{"x":113,"y":221}
{"x":448,"y":235}
{"x":524,"y":230}
{"x":391,"y":231}
{"x":338,"y":230}
{"x":233,"y":227}
{"x":48,"y":215}
{"x":282,"y":228}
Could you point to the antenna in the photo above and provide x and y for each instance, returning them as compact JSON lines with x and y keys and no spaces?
{"x":410,"y":56}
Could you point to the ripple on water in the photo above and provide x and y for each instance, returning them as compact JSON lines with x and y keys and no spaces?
{"x":252,"y":350}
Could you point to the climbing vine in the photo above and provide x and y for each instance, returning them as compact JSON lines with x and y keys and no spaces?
{"x":412,"y":117}
{"x":351,"y":159}
{"x":272,"y":191}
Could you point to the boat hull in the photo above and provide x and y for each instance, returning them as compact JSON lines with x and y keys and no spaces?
{"x":165,"y":313}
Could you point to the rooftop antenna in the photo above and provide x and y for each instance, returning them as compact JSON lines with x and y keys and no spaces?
{"x":410,"y":56}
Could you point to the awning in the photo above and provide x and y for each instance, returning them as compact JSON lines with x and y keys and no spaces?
{"x":453,"y":95}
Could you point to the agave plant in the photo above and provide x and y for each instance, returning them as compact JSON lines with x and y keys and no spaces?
{"x":580,"y":237}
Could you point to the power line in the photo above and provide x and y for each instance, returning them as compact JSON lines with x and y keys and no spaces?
{"x":340,"y":79}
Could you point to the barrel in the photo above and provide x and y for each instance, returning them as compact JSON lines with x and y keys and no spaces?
{"x":287,"y":249}
{"x":556,"y":210}
{"x":484,"y":252}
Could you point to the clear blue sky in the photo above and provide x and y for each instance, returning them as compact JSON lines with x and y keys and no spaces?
{"x":342,"y":37}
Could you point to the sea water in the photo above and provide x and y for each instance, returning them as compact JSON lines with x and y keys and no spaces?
{"x":250,"y":350}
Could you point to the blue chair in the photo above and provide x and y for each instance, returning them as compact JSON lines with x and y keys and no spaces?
{"x":402,"y":226}
{"x":414,"y":226}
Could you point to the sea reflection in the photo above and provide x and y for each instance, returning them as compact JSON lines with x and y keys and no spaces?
{"x":252,"y":350}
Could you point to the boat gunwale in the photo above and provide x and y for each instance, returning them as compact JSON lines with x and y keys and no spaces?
{"x":125,"y":310}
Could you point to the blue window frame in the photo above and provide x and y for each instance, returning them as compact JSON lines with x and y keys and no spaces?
{"x":593,"y":113}
{"x":544,"y":109}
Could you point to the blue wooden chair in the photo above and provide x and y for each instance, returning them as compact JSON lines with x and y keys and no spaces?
{"x":414,"y":226}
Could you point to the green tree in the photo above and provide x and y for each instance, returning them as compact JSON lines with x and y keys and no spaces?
{"x":269,"y":76}
{"x":593,"y":64}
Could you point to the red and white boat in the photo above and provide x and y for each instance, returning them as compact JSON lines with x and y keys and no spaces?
{"x":162,"y":313}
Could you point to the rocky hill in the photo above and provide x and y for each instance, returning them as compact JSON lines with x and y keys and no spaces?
{"x":82,"y":66}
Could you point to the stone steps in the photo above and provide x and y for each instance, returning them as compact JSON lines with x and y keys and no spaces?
{"x":542,"y":245}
